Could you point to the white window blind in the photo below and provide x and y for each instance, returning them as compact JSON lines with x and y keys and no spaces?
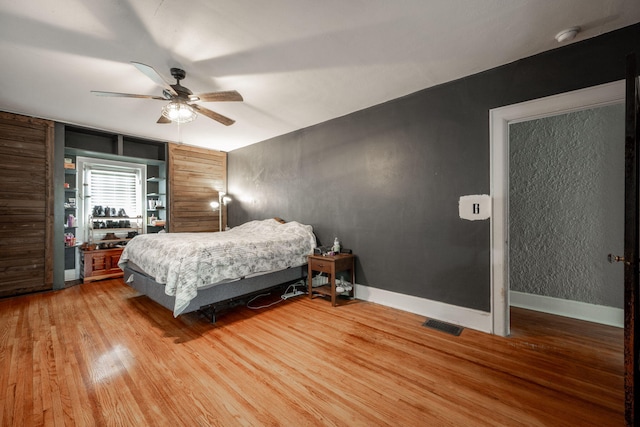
{"x":115,"y":189}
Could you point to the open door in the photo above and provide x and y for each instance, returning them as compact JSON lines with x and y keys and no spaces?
{"x":630,"y":258}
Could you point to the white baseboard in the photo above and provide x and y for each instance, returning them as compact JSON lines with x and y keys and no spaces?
{"x":577,"y":310}
{"x":70,"y":275}
{"x":461,"y":316}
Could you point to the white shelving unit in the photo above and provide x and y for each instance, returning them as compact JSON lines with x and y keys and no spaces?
{"x":156,"y":217}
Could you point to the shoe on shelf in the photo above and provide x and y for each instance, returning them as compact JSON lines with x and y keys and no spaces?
{"x":343,"y":286}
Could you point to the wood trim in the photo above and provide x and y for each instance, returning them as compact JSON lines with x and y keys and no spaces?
{"x":631,"y":243}
{"x":49,"y":204}
{"x":196,"y":175}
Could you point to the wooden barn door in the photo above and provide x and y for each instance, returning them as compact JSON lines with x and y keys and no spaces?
{"x":196,"y":175}
{"x":631,"y":230}
{"x":26,"y":204}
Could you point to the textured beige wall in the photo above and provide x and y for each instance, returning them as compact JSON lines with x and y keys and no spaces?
{"x":566,"y":208}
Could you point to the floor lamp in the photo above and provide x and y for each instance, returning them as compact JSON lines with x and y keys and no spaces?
{"x":223,"y":200}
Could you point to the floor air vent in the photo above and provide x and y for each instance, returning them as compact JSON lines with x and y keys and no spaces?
{"x":443,"y":327}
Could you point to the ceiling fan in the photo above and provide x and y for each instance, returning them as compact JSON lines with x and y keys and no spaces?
{"x":182,"y":107}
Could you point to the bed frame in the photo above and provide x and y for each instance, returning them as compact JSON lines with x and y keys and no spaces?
{"x":212,"y":299}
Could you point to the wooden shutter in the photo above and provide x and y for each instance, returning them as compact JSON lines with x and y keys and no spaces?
{"x":26,"y":204}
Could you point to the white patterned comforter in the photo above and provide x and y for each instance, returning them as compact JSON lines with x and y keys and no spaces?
{"x":185,"y":262}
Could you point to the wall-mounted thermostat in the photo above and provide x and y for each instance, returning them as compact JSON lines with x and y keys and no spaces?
{"x":475,"y":207}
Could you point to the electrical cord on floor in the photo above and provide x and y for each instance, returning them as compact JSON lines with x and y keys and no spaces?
{"x":282,"y":297}
{"x":262,"y":306}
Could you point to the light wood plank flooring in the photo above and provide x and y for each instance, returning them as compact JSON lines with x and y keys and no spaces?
{"x":99,"y":354}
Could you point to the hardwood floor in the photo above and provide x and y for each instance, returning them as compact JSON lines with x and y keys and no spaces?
{"x":98,"y":354}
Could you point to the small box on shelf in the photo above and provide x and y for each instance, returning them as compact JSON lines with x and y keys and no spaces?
{"x":69,"y":240}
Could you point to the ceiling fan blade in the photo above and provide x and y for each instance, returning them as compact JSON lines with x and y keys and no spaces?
{"x":213,"y":115}
{"x":163,"y":120}
{"x":153,"y":75}
{"x":126,"y":95}
{"x":229,"y":95}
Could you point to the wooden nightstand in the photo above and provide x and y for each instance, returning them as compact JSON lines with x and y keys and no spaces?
{"x":331,"y":265}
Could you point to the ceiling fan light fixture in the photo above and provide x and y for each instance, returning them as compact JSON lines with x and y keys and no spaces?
{"x":179,"y":109}
{"x":179,"y":112}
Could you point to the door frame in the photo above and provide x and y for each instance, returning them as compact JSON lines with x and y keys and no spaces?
{"x":499,"y":120}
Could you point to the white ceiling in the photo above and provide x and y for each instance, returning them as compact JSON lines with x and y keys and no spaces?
{"x":296,"y":62}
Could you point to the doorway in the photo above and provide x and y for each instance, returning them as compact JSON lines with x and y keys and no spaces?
{"x":500,"y":121}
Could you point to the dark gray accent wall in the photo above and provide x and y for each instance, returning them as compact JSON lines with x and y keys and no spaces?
{"x":386,"y":180}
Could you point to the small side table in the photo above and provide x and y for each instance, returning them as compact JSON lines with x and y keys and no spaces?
{"x":331,"y":265}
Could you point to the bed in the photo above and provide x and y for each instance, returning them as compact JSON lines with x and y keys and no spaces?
{"x":185,"y":272}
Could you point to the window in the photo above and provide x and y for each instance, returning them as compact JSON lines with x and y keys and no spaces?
{"x":111,"y":184}
{"x":116,"y":190}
